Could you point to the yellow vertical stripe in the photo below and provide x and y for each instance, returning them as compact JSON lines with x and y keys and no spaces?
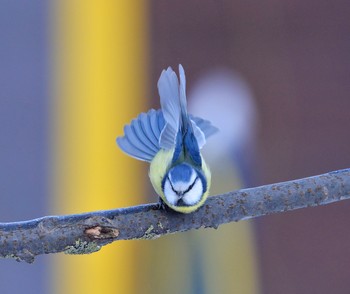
{"x":99,"y":85}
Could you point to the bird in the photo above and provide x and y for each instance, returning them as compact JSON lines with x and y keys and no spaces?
{"x":171,"y":139}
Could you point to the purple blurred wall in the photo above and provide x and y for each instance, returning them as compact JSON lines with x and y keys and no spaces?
{"x":295,"y":56}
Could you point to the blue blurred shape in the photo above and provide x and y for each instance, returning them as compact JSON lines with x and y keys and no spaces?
{"x":24,"y":102}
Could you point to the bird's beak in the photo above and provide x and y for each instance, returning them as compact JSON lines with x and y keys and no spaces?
{"x":180,"y":194}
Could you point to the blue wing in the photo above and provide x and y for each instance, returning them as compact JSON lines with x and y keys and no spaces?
{"x":154,"y":130}
{"x":141,"y":137}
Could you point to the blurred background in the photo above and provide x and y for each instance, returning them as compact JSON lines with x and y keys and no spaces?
{"x":273,"y":76}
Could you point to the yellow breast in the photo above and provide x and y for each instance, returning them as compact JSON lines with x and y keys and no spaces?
{"x":159,"y":167}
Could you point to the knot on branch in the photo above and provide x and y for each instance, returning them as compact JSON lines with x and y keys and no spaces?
{"x":99,"y":232}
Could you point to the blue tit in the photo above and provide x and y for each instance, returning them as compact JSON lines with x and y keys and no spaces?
{"x":171,"y":139}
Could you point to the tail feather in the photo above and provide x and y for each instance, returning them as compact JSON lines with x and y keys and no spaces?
{"x":168,"y":87}
{"x":183,"y":100}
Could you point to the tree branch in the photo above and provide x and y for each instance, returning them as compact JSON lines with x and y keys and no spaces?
{"x":88,"y":232}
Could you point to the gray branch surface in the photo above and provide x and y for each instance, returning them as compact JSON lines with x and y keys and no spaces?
{"x":88,"y":232}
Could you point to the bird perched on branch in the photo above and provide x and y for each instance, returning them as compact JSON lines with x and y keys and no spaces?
{"x":171,"y":139}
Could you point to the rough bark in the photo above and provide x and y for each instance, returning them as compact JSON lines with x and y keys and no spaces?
{"x":88,"y":232}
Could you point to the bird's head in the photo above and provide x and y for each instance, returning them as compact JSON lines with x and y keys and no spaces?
{"x":184,"y":186}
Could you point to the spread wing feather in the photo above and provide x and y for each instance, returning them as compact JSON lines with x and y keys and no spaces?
{"x":205,"y":126}
{"x":147,"y":129}
{"x":158,"y":129}
{"x":131,"y":150}
{"x":141,"y":137}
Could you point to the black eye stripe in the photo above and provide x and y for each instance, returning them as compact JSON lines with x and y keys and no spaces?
{"x":171,"y":185}
{"x":184,"y":192}
{"x":191,"y":186}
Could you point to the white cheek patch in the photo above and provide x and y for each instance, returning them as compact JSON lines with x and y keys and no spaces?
{"x":169,"y":194}
{"x":195,"y":194}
